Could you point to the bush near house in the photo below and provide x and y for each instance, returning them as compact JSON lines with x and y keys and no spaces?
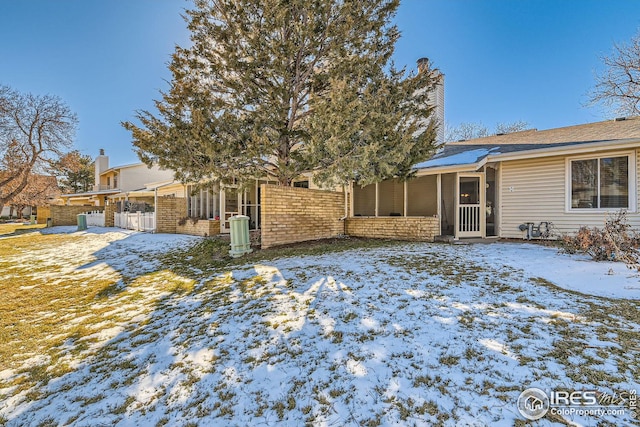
{"x":617,"y":241}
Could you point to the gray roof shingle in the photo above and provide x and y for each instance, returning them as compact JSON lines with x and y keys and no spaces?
{"x":474,"y":150}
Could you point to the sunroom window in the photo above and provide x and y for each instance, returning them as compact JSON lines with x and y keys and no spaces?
{"x":600,"y":183}
{"x":203,"y":202}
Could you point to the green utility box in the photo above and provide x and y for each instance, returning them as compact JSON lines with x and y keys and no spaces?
{"x":82,"y":222}
{"x":32,"y":220}
{"x":240,"y":243}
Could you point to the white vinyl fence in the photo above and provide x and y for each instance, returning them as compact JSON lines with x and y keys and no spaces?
{"x":95,"y":218}
{"x":140,"y":221}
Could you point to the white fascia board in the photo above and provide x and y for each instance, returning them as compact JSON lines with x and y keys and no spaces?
{"x":158,"y":184}
{"x":117,"y":168}
{"x":471,"y":167}
{"x":90,"y":193}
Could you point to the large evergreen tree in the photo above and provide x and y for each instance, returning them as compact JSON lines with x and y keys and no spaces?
{"x":279,"y":87}
{"x":75,"y":171}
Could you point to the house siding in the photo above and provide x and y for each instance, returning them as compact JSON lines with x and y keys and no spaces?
{"x":534,"y":190}
{"x":136,"y":177}
{"x":173,"y":190}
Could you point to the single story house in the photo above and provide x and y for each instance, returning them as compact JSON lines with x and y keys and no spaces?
{"x":510,"y":185}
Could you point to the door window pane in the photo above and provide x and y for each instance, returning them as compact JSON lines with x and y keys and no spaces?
{"x":469,"y":190}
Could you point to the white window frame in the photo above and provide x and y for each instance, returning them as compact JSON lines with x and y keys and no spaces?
{"x":631,"y":158}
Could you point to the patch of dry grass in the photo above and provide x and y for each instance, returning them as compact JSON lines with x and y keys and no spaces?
{"x":19,"y":228}
{"x":48,"y":310}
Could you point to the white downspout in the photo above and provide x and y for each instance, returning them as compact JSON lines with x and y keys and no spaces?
{"x":406,"y":202}
{"x":377,"y":197}
{"x":155,"y":210}
{"x":346,"y":201}
{"x":439,"y":203}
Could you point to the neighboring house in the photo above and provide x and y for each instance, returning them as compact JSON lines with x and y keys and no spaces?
{"x":136,"y":187}
{"x":571,"y":177}
{"x":118,"y":180}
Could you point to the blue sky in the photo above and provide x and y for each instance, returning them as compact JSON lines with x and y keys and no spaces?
{"x":504,"y":60}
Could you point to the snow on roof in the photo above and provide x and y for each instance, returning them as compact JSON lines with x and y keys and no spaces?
{"x":461,"y":158}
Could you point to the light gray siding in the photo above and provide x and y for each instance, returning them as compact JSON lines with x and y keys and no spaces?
{"x":535,"y":190}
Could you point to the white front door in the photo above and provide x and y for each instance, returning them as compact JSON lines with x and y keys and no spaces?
{"x":470,"y":220}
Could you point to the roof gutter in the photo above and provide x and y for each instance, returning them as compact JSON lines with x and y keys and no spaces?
{"x":453,"y":168}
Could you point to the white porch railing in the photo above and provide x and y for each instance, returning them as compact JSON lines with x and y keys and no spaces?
{"x":140,"y":221}
{"x":95,"y":218}
{"x":469,"y":219}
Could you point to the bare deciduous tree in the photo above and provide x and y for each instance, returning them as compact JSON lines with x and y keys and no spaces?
{"x":618,"y":87}
{"x":465,"y":131}
{"x":469,"y":130}
{"x":39,"y":191}
{"x":34,"y":130}
{"x":517,"y":126}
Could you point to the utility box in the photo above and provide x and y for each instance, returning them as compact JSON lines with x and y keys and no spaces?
{"x":82,"y":222}
{"x":240,"y":243}
{"x":32,"y":220}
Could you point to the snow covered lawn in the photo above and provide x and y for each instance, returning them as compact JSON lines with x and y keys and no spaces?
{"x":99,"y":328}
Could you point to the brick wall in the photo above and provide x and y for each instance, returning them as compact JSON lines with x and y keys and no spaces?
{"x":44,"y":212}
{"x":401,"y":228}
{"x":169,"y":211}
{"x":109,"y":210}
{"x":292,"y":214}
{"x":67,"y":215}
{"x":202,"y":227}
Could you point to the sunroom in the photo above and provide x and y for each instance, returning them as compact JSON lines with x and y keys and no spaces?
{"x":456,"y":193}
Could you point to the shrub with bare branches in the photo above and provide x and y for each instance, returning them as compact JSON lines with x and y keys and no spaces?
{"x":617,"y":241}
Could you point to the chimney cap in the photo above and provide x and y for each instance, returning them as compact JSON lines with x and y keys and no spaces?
{"x":102,"y":151}
{"x":423,"y":64}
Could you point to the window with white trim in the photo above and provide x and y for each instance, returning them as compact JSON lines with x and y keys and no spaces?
{"x":600,"y":183}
